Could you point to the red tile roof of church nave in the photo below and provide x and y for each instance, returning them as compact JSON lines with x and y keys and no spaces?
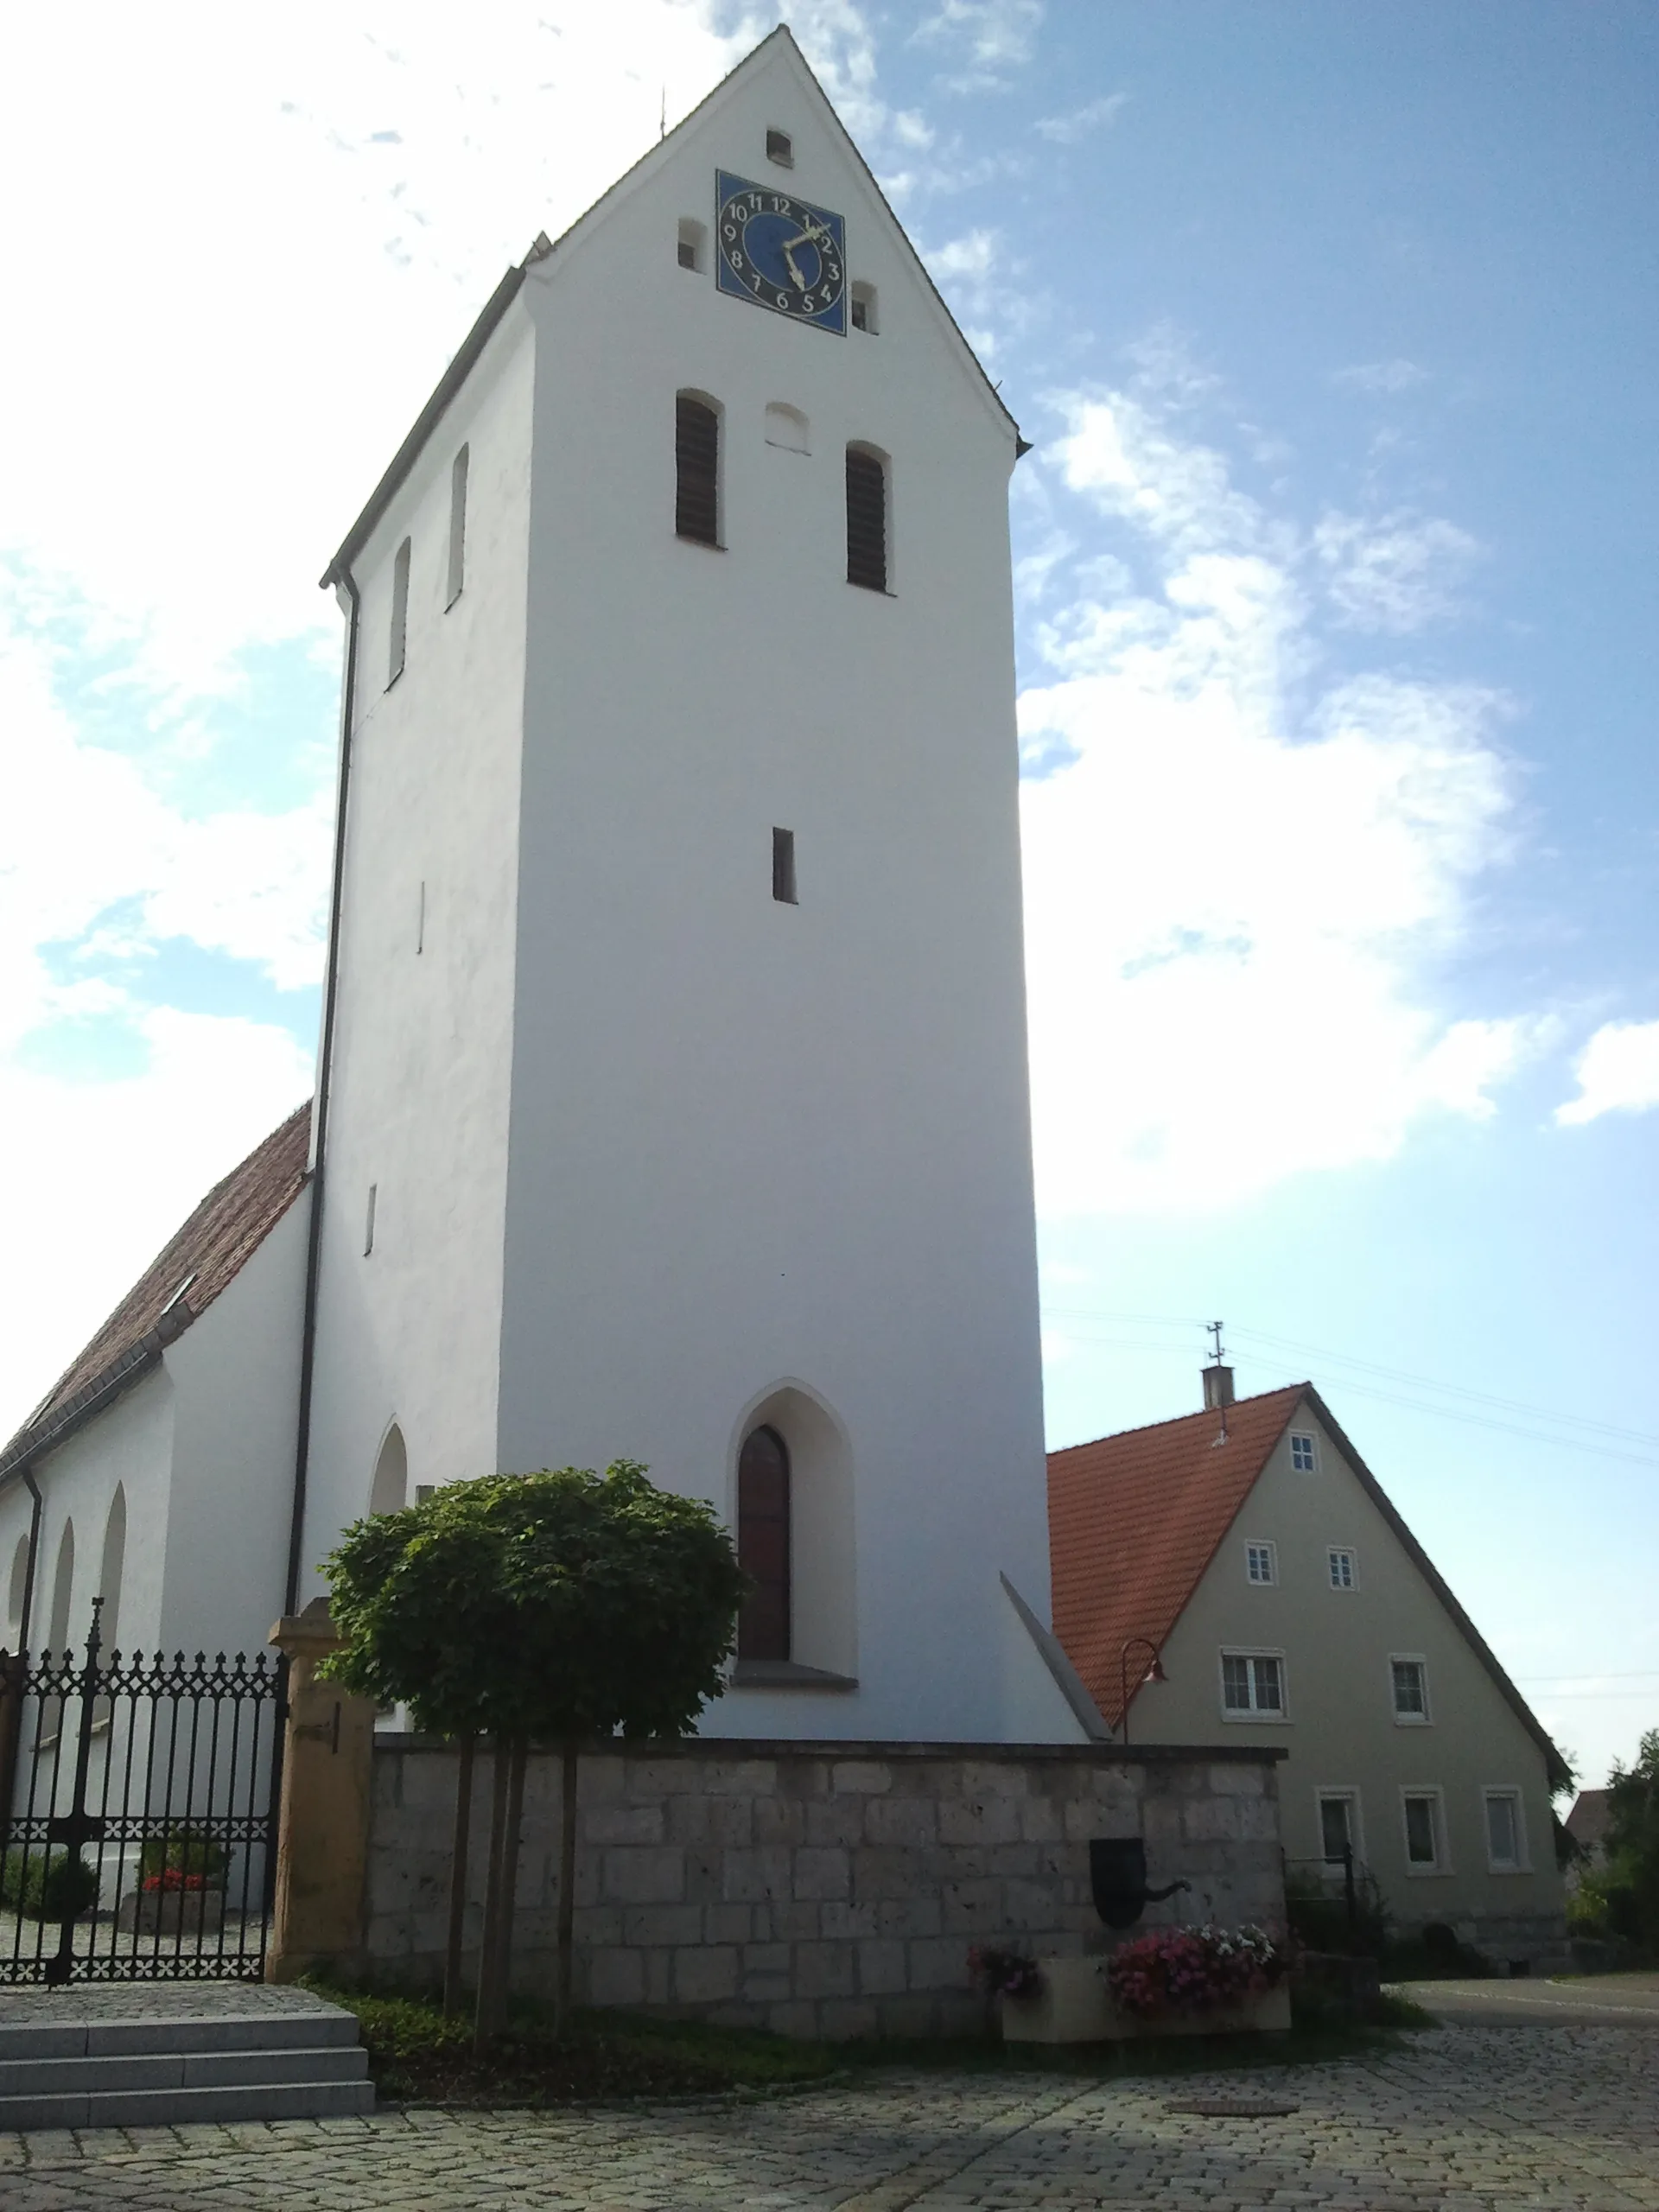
{"x":1134,"y":1521}
{"x":190,"y":1271}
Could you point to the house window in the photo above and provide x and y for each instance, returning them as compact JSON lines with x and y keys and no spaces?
{"x":1338,"y":1822}
{"x":691,"y":243}
{"x":1409,"y":1679}
{"x":780,"y":148}
{"x":783,"y":867}
{"x":696,"y":470}
{"x":1252,"y":1682}
{"x":1506,"y":1840}
{"x":457,"y":572}
{"x":1425,"y":1826}
{"x":864,"y":310}
{"x":1303,"y":1458}
{"x":1343,"y":1573}
{"x":399,"y":639}
{"x":763,"y":1545}
{"x":1261,"y":1562}
{"x":867,"y":519}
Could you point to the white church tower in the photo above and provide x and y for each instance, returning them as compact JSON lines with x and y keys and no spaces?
{"x":673,"y":1104}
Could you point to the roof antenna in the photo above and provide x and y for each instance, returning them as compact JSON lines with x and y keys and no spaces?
{"x":662,"y":115}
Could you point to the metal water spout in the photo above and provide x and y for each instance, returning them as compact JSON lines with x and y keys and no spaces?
{"x":1117,"y":1876}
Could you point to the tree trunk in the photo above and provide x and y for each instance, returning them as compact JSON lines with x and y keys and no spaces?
{"x":510,"y":1843}
{"x":566,"y":1889}
{"x":490,"y":2013}
{"x":458,"y":1880}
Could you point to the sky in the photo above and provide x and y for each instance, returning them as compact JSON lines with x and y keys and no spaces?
{"x":1335,"y":334}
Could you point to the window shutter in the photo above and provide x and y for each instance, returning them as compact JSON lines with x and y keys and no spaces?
{"x":867,"y":521}
{"x":696,"y":461}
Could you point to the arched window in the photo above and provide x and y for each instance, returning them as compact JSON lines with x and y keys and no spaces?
{"x":16,"y":1593}
{"x":696,"y":470}
{"x":63,"y":1585}
{"x":867,"y":519}
{"x":389,"y":1492}
{"x":763,"y":1544}
{"x":109,"y":1579}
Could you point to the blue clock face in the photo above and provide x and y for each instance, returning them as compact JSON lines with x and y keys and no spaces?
{"x":778,"y":252}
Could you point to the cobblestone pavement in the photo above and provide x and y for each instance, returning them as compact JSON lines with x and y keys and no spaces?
{"x":1465,"y":2118}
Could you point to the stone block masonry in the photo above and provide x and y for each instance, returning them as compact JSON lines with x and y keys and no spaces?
{"x":819,"y":1889}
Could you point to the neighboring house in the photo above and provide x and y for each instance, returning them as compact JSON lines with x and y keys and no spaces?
{"x":1251,"y":1550}
{"x":672,"y":1099}
{"x":157,"y":1473}
{"x":1587,"y":1824}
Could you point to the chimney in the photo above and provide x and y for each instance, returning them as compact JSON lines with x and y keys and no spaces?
{"x":1217,"y":1388}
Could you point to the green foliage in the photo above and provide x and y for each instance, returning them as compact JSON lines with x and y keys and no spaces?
{"x":561,"y":1605}
{"x":43,"y":1885}
{"x":186,"y":1850}
{"x":1623,"y":1893}
{"x":1316,"y":1910}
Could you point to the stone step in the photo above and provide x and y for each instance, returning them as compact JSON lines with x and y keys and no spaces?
{"x":93,"y":2038}
{"x":182,"y":2069}
{"x":159,"y":2107}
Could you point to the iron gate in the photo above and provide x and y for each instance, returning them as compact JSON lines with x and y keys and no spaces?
{"x":137,"y":1814}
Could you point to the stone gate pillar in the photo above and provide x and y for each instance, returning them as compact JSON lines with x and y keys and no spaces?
{"x":322,"y":1837}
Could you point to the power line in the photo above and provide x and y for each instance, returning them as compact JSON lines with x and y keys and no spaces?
{"x":1578,"y":1422}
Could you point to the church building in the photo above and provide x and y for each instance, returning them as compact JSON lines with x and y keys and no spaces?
{"x":672,"y":1098}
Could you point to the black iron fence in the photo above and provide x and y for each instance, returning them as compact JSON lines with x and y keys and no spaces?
{"x":137,"y":1814}
{"x":1334,"y":1903}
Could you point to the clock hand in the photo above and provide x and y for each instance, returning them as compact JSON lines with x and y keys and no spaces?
{"x":796,"y":277}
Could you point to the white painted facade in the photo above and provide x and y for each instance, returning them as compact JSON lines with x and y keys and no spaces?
{"x":654,"y":1156}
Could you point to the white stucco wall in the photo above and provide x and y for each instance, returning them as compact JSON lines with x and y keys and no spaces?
{"x":236,"y":1379}
{"x":753,"y":1143}
{"x":751,"y":1154}
{"x":129,"y":1445}
{"x":1339,"y":1729}
{"x":412,"y":1332}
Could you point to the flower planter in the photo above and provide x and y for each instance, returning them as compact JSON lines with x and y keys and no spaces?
{"x":1074,"y":2005}
{"x":172,"y":1912}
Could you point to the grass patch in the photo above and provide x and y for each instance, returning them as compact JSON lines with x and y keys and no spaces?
{"x":416,"y":2056}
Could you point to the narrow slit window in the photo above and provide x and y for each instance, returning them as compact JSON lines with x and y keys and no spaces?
{"x":696,"y":465}
{"x":690,"y":244}
{"x":865,"y":315}
{"x":368,"y":1220}
{"x":867,"y":519}
{"x":762,"y":1545}
{"x":783,"y":867}
{"x":457,"y":575}
{"x":399,"y":639}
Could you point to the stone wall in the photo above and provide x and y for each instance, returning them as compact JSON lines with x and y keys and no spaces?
{"x":819,"y":1889}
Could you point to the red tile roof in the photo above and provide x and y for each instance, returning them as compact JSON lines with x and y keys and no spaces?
{"x":183,"y":1280}
{"x":1134,"y":1521}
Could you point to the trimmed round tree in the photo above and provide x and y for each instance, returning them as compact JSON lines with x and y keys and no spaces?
{"x":553,"y":1608}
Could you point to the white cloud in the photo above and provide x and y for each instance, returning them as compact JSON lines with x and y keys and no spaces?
{"x":1239,"y":994}
{"x":1617,"y":1072}
{"x":1066,"y":130}
{"x":993,"y":37}
{"x":1381,"y":375}
{"x":1395,"y":574}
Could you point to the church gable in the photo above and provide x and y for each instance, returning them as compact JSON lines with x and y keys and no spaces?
{"x":191,"y":1270}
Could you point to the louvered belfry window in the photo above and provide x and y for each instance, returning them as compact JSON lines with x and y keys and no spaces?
{"x":763,"y":1545}
{"x":696,"y":464}
{"x":866,"y":520}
